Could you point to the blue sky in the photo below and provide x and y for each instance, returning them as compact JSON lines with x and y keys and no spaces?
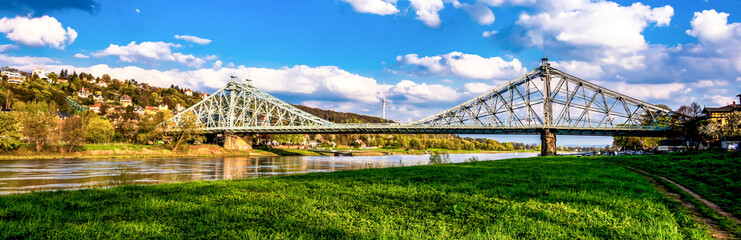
{"x":431,"y":54}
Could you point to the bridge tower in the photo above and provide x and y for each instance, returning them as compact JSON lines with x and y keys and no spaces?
{"x":547,"y":137}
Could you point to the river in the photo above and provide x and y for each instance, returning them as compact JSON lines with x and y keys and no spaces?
{"x":17,"y":176}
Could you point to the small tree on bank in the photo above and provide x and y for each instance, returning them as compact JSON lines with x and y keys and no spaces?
{"x":184,"y":129}
{"x":10,"y":135}
{"x":73,"y":132}
{"x":39,"y":123}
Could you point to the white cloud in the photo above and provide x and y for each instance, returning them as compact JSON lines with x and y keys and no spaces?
{"x":37,"y":32}
{"x":711,"y":83}
{"x":7,"y":47}
{"x":489,"y":33}
{"x":722,"y":100}
{"x":150,"y":52}
{"x":193,"y":39}
{"x":327,"y":82}
{"x":476,"y":88}
{"x":25,"y":62}
{"x":462,"y":65}
{"x":137,"y":10}
{"x":427,"y":11}
{"x":217,"y":65}
{"x":423,"y":92}
{"x":662,"y":91}
{"x":380,"y":7}
{"x":80,"y":55}
{"x":580,"y":69}
{"x":711,"y":26}
{"x":478,"y":11}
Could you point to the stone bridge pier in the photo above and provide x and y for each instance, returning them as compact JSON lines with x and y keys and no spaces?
{"x":235,"y":142}
{"x":547,"y":143}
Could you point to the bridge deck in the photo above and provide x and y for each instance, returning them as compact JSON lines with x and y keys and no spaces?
{"x":392,"y":128}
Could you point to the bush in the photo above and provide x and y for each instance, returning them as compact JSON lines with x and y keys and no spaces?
{"x":439,"y":158}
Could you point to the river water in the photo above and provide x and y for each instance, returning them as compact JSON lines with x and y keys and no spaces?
{"x":18,"y":176}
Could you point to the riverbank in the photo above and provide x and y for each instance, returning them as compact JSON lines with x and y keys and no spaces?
{"x":535,"y":198}
{"x":97,"y":151}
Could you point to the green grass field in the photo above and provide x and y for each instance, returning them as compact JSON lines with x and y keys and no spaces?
{"x":714,"y":175}
{"x":538,"y":198}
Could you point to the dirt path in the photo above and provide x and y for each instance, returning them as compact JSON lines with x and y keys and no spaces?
{"x":715,"y":232}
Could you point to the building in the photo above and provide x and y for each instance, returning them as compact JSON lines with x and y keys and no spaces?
{"x":188,"y":92}
{"x":719,"y":114}
{"x":98,"y":98}
{"x":96,"y":108}
{"x":83,"y":93}
{"x":139,"y":111}
{"x":102,"y":84}
{"x":62,"y":80}
{"x":204,"y":95}
{"x":151,"y":110}
{"x":13,"y":77}
{"x":179,"y":107}
{"x":39,"y":72}
{"x":125,"y":100}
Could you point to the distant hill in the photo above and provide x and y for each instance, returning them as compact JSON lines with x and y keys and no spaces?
{"x":341,"y":117}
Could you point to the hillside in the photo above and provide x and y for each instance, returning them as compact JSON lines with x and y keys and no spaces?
{"x":341,"y":117}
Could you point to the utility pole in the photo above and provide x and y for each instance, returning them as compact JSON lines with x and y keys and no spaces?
{"x":383,"y":92}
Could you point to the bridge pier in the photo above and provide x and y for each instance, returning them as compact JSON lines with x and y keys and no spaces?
{"x":235,"y":142}
{"x":547,"y":143}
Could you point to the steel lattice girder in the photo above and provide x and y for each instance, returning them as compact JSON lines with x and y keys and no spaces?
{"x":574,"y":103}
{"x":240,"y":105}
{"x":577,"y":107}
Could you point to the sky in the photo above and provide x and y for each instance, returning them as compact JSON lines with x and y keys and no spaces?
{"x":424,"y":55}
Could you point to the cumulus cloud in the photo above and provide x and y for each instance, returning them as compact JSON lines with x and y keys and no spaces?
{"x":488,"y":33}
{"x":7,"y":47}
{"x":461,"y":65}
{"x":151,"y":53}
{"x":477,"y":88}
{"x":37,"y":32}
{"x":25,"y":62}
{"x":80,"y":55}
{"x":647,"y":91}
{"x":579,"y":69}
{"x":478,"y":11}
{"x":423,"y":92}
{"x":193,"y":39}
{"x":427,"y":11}
{"x":380,"y":7}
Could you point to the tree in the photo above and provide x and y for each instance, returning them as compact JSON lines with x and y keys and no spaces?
{"x":73,"y":132}
{"x":289,"y":138}
{"x":184,"y":129}
{"x":38,"y":123}
{"x":127,"y":129}
{"x":99,"y":130}
{"x":10,"y":135}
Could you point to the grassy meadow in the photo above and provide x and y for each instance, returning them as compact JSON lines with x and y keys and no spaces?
{"x":715,"y":175}
{"x":537,"y":198}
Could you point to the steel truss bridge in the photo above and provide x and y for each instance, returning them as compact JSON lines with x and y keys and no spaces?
{"x":544,"y":101}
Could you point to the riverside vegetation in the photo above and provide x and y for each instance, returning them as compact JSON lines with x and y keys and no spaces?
{"x":535,"y":198}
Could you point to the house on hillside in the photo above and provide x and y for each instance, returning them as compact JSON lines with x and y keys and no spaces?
{"x":188,"y":92}
{"x":179,"y":107}
{"x":162,"y":107}
{"x":96,"y":108}
{"x":125,"y":100}
{"x":139,"y":111}
{"x":98,"y":98}
{"x":13,"y":77}
{"x":102,"y":84}
{"x":151,"y":110}
{"x":83,"y":93}
{"x":62,"y":80}
{"x":204,"y":95}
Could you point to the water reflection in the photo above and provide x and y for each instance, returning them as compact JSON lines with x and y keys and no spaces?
{"x":30,"y":175}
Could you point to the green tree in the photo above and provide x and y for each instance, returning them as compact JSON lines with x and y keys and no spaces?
{"x":289,"y":138}
{"x":73,"y":132}
{"x":99,"y":130}
{"x":182,"y":130}
{"x":10,"y":135}
{"x":39,"y":123}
